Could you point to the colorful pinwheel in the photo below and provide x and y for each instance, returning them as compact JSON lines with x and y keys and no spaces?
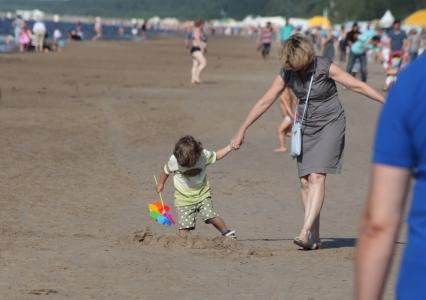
{"x":160,"y":212}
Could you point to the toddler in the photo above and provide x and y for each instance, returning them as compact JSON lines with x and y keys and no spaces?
{"x":192,"y":191}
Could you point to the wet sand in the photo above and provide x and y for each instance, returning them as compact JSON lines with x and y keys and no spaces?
{"x":84,"y":130}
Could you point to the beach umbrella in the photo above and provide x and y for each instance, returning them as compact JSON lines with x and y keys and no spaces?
{"x":319,"y":21}
{"x":387,"y":20}
{"x":417,"y":18}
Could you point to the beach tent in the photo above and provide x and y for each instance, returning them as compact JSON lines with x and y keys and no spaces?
{"x":417,"y":18}
{"x":38,"y":15}
{"x":387,"y":20}
{"x":154,"y":21}
{"x":319,"y":21}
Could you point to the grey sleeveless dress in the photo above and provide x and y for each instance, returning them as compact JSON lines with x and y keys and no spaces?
{"x":323,"y":128}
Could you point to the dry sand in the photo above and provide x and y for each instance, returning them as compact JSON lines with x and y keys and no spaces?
{"x":83,"y":131}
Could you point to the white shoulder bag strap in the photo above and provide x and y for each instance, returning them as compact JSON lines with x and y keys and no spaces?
{"x":306,"y":102}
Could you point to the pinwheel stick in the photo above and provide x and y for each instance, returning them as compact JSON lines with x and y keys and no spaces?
{"x":161,"y":197}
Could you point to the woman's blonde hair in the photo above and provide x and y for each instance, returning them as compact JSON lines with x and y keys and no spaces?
{"x":297,"y":53}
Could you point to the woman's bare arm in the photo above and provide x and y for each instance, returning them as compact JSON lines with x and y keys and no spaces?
{"x":354,"y":84}
{"x":379,"y":229}
{"x":258,"y":109}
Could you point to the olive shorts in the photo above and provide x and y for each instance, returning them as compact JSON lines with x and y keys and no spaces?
{"x":187,"y":214}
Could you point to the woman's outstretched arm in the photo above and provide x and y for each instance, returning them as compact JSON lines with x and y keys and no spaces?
{"x":258,"y":109}
{"x":354,"y":84}
{"x":379,"y":229}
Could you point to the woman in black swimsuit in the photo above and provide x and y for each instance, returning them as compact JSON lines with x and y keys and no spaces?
{"x":198,"y":49}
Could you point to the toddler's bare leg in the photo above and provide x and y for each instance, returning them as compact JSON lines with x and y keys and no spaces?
{"x":219,"y":224}
{"x":285,"y":124}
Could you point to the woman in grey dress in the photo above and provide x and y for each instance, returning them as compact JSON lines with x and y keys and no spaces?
{"x":323,"y":127}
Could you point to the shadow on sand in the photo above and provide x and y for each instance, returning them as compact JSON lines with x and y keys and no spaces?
{"x":327,"y":243}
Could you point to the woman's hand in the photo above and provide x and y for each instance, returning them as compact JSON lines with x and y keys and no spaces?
{"x":237,"y":140}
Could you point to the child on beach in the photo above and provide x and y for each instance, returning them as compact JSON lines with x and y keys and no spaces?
{"x":192,"y":191}
{"x":286,"y":106}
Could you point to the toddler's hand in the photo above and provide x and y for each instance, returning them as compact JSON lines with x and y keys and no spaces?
{"x":160,"y":187}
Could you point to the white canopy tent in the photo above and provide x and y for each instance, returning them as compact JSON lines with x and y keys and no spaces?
{"x":276,"y":21}
{"x":387,"y":20}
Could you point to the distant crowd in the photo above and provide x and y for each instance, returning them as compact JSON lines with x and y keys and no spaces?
{"x":40,"y":38}
{"x":392,"y":47}
{"x":35,"y":38}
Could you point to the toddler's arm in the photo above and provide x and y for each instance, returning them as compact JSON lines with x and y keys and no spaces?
{"x":221,"y":153}
{"x":161,"y":181}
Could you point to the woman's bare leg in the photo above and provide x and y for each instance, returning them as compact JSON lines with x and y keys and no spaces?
{"x":202,"y":63}
{"x":194,"y":70}
{"x":313,"y":205}
{"x":304,"y":191}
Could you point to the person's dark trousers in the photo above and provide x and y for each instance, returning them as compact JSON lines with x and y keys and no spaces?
{"x":342,"y":56}
{"x":363,"y":62}
{"x":351,"y":62}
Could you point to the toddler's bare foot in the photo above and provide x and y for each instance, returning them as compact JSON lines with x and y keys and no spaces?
{"x":281,"y":149}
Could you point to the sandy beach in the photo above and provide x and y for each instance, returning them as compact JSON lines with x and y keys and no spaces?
{"x":84,"y":130}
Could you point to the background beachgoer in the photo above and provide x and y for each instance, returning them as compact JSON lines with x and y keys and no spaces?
{"x":18,"y":25}
{"x":199,"y":47}
{"x":97,"y":28}
{"x":413,"y":44}
{"x":39,"y":30}
{"x":25,"y":38}
{"x":265,"y":40}
{"x":342,"y":44}
{"x":398,"y":39}
{"x":329,"y":44}
{"x":286,"y":30}
{"x":286,"y":104}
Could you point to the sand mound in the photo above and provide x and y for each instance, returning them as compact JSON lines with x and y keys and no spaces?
{"x":218,"y":245}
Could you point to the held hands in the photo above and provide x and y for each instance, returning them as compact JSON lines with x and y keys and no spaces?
{"x":237,"y":140}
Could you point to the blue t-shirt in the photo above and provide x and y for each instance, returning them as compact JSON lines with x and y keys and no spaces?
{"x":401,"y":142}
{"x":397,"y":40}
{"x":286,"y":31}
{"x":361,"y":45}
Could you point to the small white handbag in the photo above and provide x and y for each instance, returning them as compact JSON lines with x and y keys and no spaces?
{"x":296,"y":130}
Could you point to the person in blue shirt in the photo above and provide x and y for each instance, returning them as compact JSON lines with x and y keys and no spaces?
{"x":286,"y":31}
{"x":399,"y":154}
{"x":358,"y":50}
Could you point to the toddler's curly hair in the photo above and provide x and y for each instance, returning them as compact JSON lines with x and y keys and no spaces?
{"x":187,"y":151}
